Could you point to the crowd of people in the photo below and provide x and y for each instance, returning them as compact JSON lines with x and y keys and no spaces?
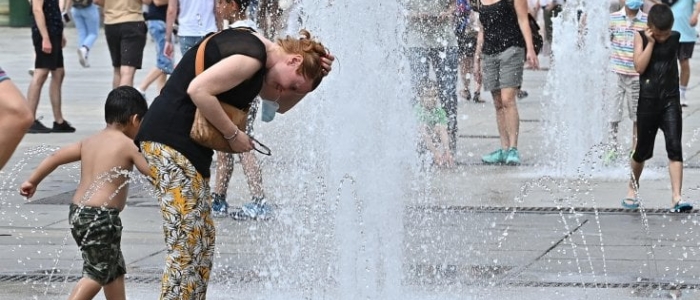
{"x":489,"y":41}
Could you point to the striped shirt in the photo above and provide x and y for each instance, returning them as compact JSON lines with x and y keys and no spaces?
{"x":622,"y":40}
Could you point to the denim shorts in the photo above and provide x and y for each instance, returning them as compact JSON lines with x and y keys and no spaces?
{"x":157,"y":30}
{"x":503,"y":70}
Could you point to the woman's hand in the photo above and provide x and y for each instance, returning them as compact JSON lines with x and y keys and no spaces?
{"x":532,"y":60}
{"x":326,"y":63}
{"x":241,"y":143}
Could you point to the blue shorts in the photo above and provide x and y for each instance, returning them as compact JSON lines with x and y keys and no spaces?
{"x":157,"y":30}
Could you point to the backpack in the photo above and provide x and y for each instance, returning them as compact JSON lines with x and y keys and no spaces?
{"x":81,"y":3}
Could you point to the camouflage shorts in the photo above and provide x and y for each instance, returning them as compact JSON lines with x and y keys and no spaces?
{"x":98,"y":233}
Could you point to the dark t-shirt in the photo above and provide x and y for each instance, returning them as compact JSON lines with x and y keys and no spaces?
{"x":501,"y":29}
{"x":170,"y":117}
{"x":156,"y":12}
{"x":52,"y":17}
{"x":659,"y":82}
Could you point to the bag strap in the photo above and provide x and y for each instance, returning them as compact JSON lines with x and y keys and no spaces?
{"x":199,"y":58}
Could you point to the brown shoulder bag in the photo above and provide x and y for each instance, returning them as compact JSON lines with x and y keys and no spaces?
{"x":203,"y":132}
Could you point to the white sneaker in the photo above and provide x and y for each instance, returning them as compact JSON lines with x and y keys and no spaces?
{"x":83,"y":57}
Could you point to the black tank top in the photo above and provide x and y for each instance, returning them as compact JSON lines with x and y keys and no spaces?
{"x":659,"y":81}
{"x":170,"y":117}
{"x":501,"y":29}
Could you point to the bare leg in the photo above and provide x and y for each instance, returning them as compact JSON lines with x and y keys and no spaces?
{"x":466,"y":65}
{"x":633,"y":186}
{"x":512,"y":118}
{"x":500,"y":118}
{"x":612,"y":134}
{"x":115,"y":290}
{"x":634,"y":135}
{"x":86,"y":289}
{"x":116,"y":77}
{"x":55,"y":94}
{"x":34,"y":91}
{"x":126,"y":75}
{"x":155,"y":75}
{"x":251,"y":169}
{"x":15,"y":119}
{"x":675,"y":169}
{"x":224,"y":169}
{"x":685,"y":72}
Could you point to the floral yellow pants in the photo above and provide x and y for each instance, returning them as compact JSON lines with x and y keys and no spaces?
{"x":185,"y":204}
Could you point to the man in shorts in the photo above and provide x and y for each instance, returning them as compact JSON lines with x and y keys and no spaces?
{"x":125,"y":30}
{"x":685,"y":15}
{"x":48,"y":40}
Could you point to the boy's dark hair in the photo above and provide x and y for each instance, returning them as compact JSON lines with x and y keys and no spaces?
{"x":660,"y":17}
{"x":122,"y":103}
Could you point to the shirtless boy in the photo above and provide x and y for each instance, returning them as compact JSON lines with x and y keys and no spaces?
{"x":101,"y":193}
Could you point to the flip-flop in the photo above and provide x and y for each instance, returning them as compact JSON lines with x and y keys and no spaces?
{"x":682,"y":207}
{"x":630,"y":203}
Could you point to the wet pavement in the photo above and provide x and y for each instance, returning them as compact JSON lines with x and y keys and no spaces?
{"x":486,"y":232}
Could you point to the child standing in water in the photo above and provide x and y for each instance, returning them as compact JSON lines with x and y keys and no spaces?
{"x":655,"y":56}
{"x":94,"y":213}
{"x":433,"y":125}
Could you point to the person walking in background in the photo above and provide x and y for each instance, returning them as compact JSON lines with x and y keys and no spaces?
{"x":195,"y":19}
{"x":125,"y":31}
{"x":48,"y":40}
{"x":685,"y":14}
{"x":15,"y":117}
{"x":655,"y":56}
{"x":623,"y":25}
{"x":432,"y":43}
{"x":86,"y":17}
{"x":155,"y":20}
{"x":465,"y":30}
{"x":504,"y":41}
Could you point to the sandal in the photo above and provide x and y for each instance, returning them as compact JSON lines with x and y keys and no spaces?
{"x":466,"y":94}
{"x":681,"y":207}
{"x":477,"y":98}
{"x":630,"y":203}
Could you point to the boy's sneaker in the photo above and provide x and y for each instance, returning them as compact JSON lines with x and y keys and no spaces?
{"x":37,"y":127}
{"x":219,"y":206}
{"x":83,"y":57}
{"x":256,"y":210}
{"x":63,"y":127}
{"x":512,"y":157}
{"x":495,"y":157}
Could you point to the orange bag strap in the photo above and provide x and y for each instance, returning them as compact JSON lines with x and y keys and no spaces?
{"x":199,"y":58}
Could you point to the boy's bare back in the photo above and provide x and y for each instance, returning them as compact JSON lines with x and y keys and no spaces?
{"x":105,"y":157}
